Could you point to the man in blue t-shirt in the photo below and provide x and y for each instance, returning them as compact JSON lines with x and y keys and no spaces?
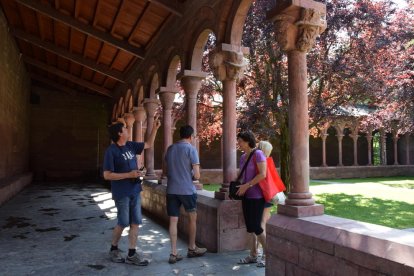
{"x":182,"y":166}
{"x":120,"y":167}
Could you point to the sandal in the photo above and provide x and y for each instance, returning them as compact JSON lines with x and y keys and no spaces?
{"x":248,"y":260}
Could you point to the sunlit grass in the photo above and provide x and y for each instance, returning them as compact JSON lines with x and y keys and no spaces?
{"x":387,"y":201}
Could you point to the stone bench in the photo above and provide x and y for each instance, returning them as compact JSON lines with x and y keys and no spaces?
{"x":11,"y":186}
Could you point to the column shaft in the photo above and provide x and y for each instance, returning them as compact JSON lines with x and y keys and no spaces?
{"x":229,"y":132}
{"x":298,"y":130}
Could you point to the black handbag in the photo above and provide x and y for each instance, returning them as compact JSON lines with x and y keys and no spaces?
{"x":233,"y":184}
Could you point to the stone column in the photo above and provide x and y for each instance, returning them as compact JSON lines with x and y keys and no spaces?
{"x":324,"y":135}
{"x":296,"y":29}
{"x":340,"y":137}
{"x":383,"y":147}
{"x":354,"y":135}
{"x":369,"y":140}
{"x":167,"y":96}
{"x":395,"y":140}
{"x":227,"y":62}
{"x":139,"y":114}
{"x":191,"y":83}
{"x":151,"y":106}
{"x":407,"y":148}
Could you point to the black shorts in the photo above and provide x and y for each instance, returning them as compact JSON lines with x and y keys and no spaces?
{"x":253,"y":212}
{"x":174,"y":203}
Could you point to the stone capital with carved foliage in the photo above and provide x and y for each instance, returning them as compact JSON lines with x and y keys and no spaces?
{"x":227,"y":62}
{"x":297,"y":27}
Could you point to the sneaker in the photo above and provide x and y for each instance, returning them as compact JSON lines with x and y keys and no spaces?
{"x":175,"y":258}
{"x":196,"y":252}
{"x":116,"y":256}
{"x":136,"y":260}
{"x":261,"y":262}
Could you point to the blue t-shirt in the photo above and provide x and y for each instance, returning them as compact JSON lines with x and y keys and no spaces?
{"x":122,"y":159}
{"x":180,"y":158}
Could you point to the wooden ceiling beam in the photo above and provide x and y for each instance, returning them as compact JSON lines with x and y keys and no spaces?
{"x":55,"y":71}
{"x":84,"y":28}
{"x":166,"y":4}
{"x":79,"y":59}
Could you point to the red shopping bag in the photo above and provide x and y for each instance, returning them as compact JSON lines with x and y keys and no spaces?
{"x":272,"y":184}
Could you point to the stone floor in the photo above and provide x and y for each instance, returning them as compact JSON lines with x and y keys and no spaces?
{"x":65,"y":229}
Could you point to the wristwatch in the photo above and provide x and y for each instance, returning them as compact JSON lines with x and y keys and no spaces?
{"x":250,"y":185}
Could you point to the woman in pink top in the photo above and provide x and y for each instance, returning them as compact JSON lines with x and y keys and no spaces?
{"x":253,"y":202}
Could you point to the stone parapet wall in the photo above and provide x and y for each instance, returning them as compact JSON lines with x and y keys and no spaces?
{"x":220,"y":223}
{"x":216,"y":175}
{"x":326,"y":245}
{"x":360,"y":171}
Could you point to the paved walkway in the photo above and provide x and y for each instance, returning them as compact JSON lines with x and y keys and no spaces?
{"x":66,"y":230}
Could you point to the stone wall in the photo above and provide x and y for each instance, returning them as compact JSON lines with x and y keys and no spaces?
{"x":14,"y":114}
{"x":220,"y":223}
{"x":69,"y":135}
{"x":326,"y":245}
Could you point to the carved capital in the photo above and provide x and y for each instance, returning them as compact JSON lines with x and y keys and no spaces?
{"x":139,"y":114}
{"x":151,"y":106}
{"x":227,"y":62}
{"x":167,"y":96}
{"x":297,"y":27}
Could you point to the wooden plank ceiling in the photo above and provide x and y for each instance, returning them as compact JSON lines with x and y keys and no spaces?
{"x":86,"y":45}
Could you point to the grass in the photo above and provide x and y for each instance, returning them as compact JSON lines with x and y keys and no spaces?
{"x":387,"y":201}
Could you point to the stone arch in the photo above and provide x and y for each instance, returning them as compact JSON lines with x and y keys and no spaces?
{"x":173,"y":69}
{"x":235,"y":31}
{"x":120,"y":107}
{"x":128,"y":101}
{"x":332,"y":152}
{"x":198,"y":49}
{"x":140,"y":96}
{"x":154,"y":85}
{"x":114,"y":113}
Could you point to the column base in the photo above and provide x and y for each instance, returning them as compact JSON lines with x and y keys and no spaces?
{"x":222,"y":195}
{"x":151,"y":177}
{"x":300,"y":211}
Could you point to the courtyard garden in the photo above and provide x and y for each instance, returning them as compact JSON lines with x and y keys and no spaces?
{"x":387,"y":201}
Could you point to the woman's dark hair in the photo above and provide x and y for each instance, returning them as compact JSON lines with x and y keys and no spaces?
{"x":186,"y":131}
{"x":114,"y":131}
{"x":248,"y":137}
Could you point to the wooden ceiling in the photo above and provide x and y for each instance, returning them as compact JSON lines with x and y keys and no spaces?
{"x":87,"y":45}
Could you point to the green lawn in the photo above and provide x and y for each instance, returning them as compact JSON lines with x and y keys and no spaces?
{"x":387,"y":201}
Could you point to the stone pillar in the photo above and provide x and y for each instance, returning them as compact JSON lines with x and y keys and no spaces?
{"x":340,"y":137}
{"x":227,"y":63}
{"x":369,"y":140}
{"x":354,"y":135}
{"x":167,"y":96}
{"x":191,"y":83}
{"x":407,"y":148}
{"x":395,"y":140}
{"x":296,"y":29}
{"x":151,"y":106}
{"x":139,"y":114}
{"x":324,"y":135}
{"x":383,"y":147}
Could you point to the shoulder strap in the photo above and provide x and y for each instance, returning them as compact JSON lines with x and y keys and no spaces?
{"x":245,"y":165}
